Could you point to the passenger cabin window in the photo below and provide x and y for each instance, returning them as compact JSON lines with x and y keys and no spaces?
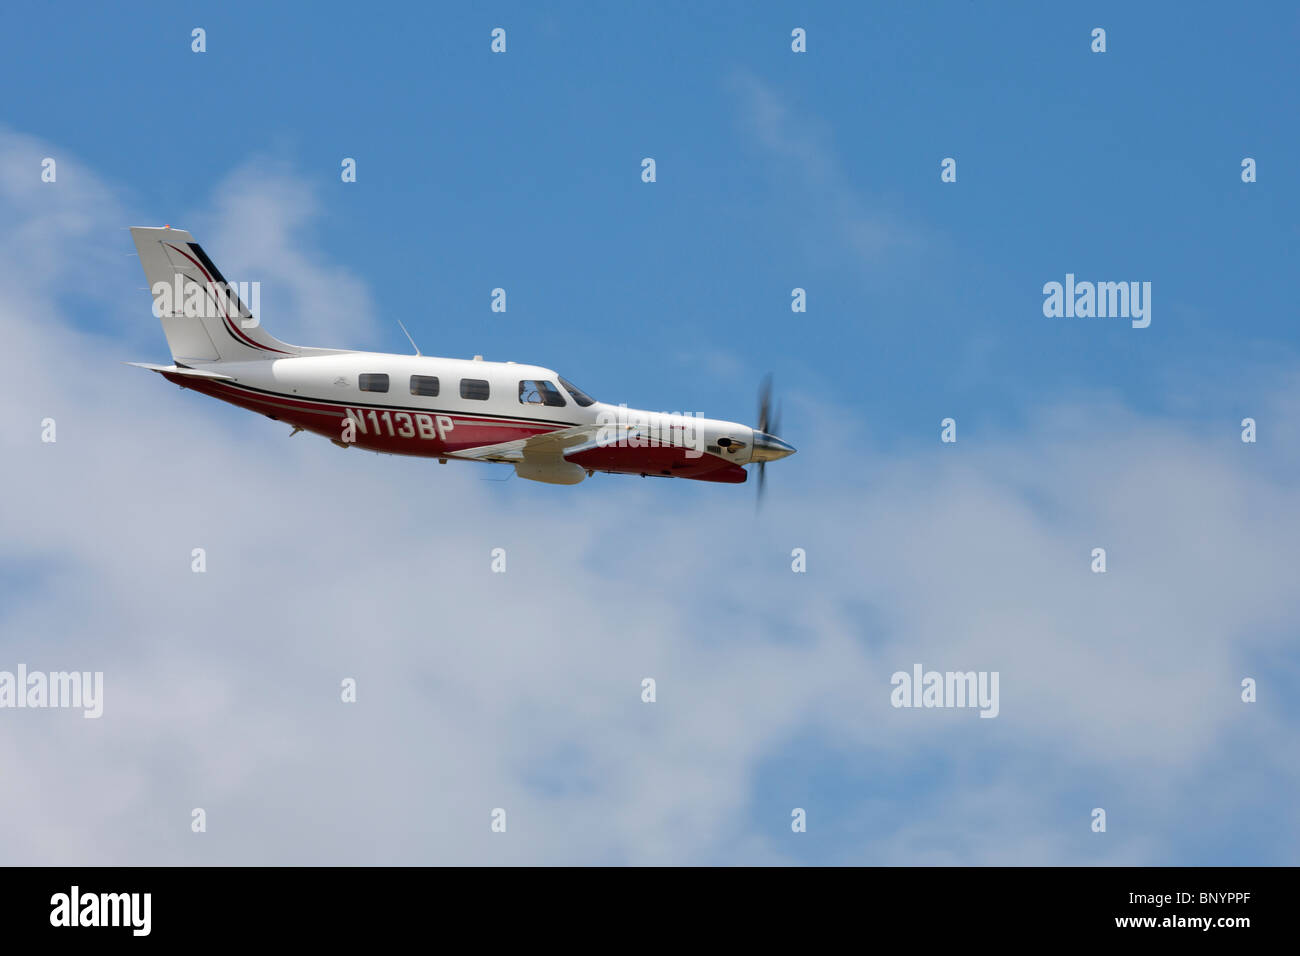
{"x":539,"y":393}
{"x":424,"y":385}
{"x":372,"y":382}
{"x":476,"y":388}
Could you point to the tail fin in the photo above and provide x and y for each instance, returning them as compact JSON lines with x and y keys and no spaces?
{"x":203,"y":316}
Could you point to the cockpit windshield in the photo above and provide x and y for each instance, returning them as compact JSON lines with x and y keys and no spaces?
{"x":578,"y":395}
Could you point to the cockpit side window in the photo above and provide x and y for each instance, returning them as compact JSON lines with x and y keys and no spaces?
{"x":532,"y":392}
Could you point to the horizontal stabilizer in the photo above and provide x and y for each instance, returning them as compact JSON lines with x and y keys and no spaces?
{"x":179,"y":370}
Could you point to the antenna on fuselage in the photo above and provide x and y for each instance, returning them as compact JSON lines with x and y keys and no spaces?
{"x":408,"y":338}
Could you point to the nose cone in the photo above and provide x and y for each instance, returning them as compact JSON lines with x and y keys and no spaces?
{"x":769,"y":447}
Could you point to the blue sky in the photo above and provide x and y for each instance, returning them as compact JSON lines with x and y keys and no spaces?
{"x":522,"y":171}
{"x":775,"y":170}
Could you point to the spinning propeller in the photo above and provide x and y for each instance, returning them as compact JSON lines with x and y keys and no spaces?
{"x":767,"y":447}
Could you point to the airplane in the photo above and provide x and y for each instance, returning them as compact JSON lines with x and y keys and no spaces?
{"x":464,"y":409}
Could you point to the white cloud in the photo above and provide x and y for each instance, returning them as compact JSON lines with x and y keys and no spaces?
{"x":802,"y":144}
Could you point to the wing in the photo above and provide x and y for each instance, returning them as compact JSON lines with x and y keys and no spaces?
{"x":556,"y":444}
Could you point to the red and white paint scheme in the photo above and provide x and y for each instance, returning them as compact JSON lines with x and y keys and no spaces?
{"x":441,"y":408}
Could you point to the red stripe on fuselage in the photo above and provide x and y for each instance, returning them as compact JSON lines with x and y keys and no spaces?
{"x":469,"y":431}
